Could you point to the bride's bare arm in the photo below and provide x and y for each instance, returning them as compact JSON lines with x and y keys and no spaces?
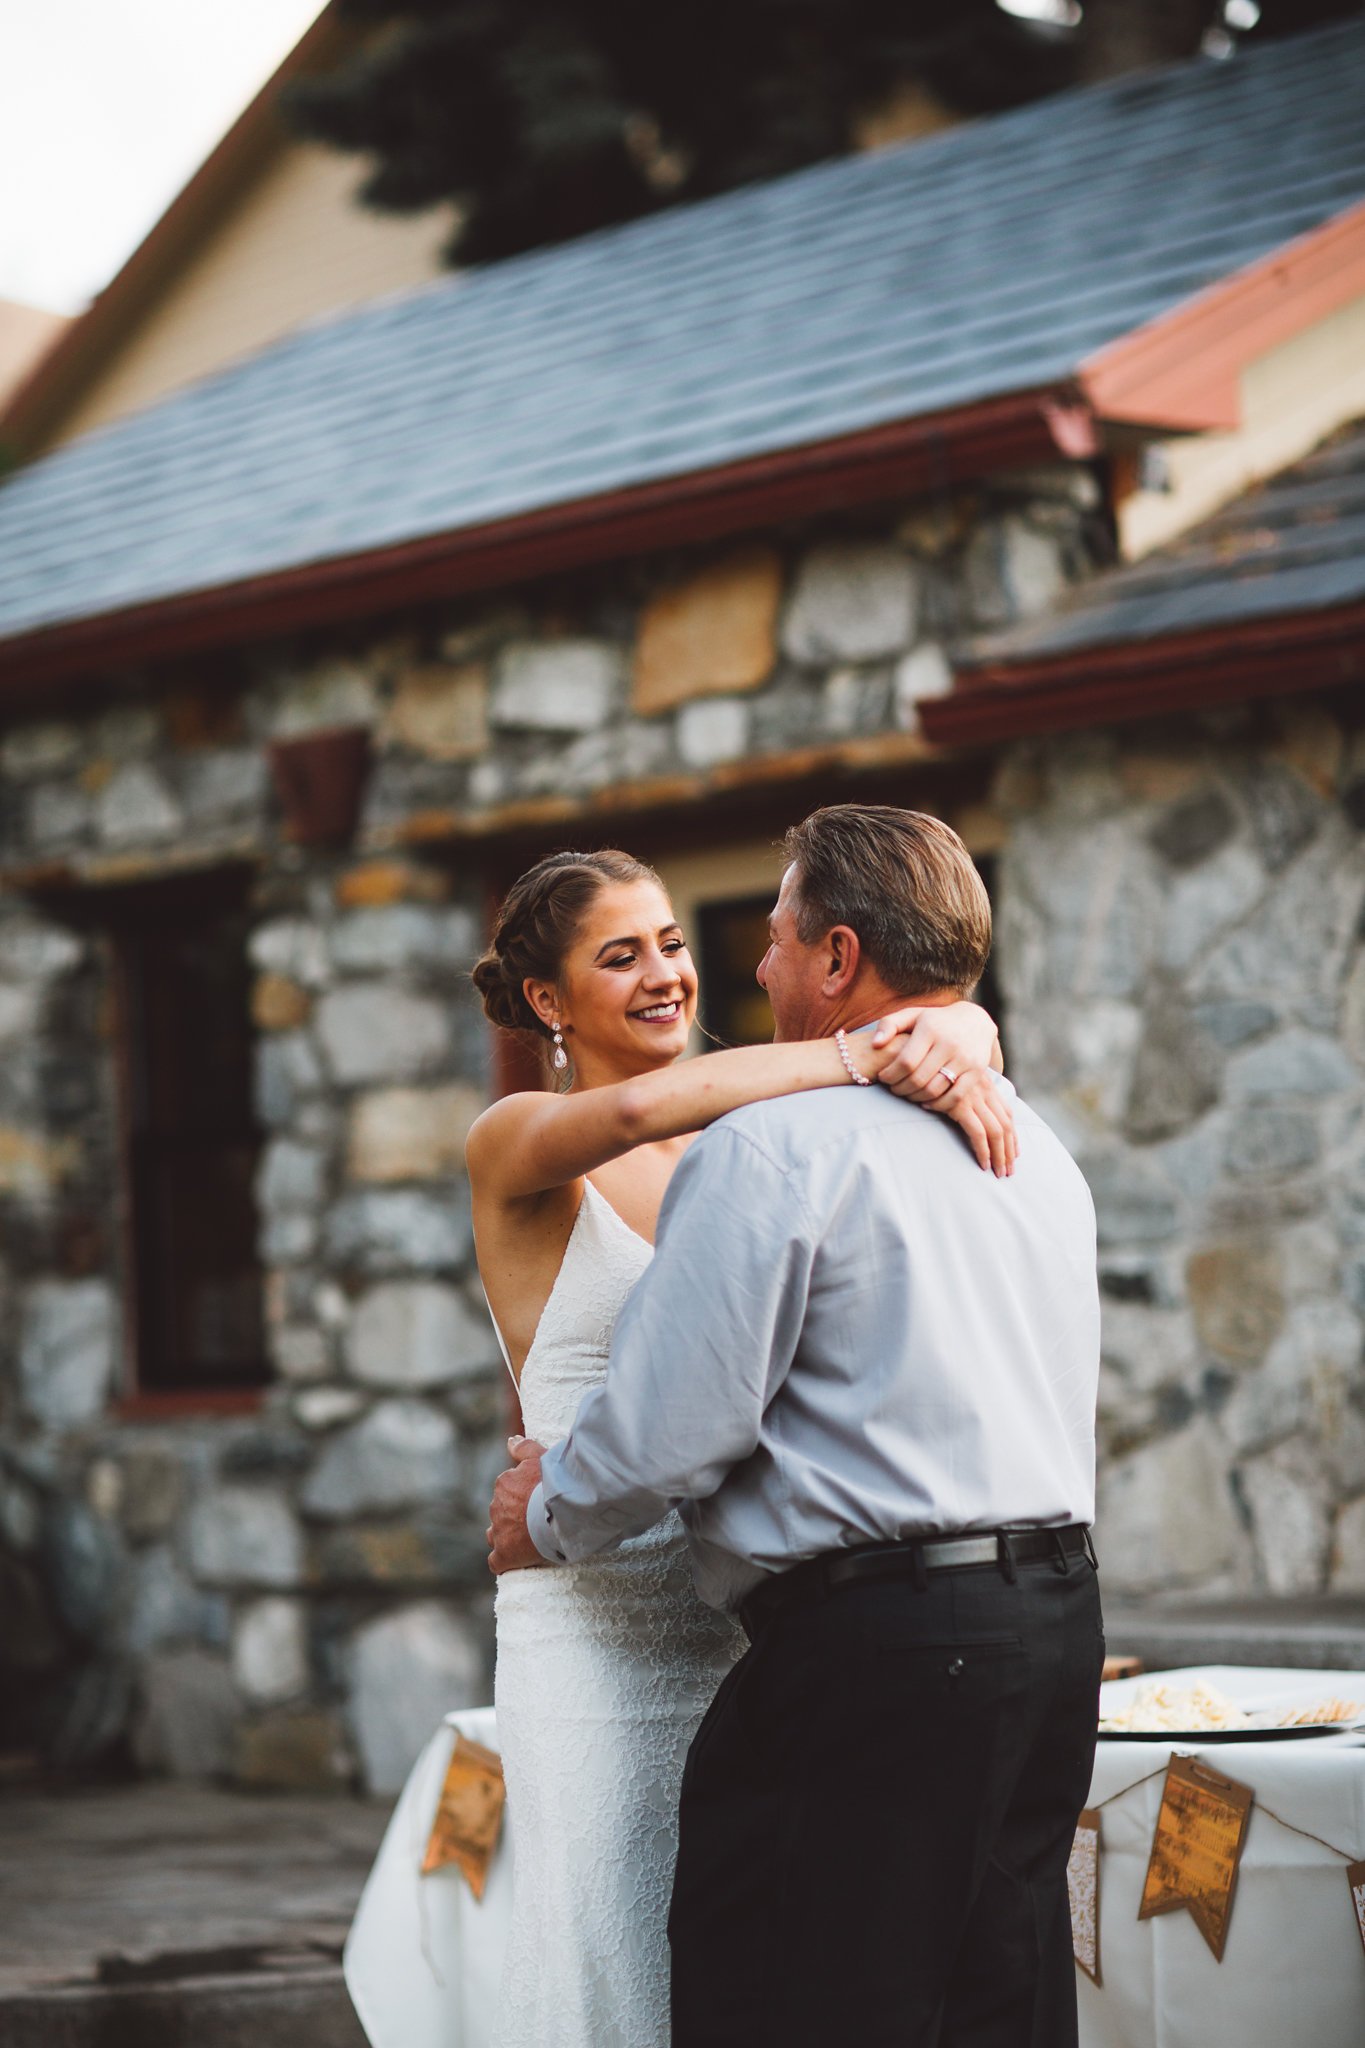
{"x":528,"y":1143}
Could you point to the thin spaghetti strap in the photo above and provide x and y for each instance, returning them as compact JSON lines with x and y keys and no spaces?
{"x":502,"y":1343}
{"x":590,"y":1203}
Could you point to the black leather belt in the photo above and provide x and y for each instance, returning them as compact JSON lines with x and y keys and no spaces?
{"x":1001,"y":1549}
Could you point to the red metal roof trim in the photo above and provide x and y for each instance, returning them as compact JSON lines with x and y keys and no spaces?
{"x":912,"y":456}
{"x":1185,"y":672}
{"x":1184,"y":370}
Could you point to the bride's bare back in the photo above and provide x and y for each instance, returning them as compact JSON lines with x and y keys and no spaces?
{"x":521,"y":1244}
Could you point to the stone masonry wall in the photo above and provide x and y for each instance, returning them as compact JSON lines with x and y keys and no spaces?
{"x":294,"y":1596}
{"x":1180,"y":941}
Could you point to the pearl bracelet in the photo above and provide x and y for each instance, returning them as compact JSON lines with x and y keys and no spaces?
{"x":841,"y":1047}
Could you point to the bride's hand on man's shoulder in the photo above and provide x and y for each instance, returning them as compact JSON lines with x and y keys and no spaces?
{"x":941,"y":1058}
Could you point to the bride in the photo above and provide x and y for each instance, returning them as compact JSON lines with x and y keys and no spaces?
{"x":605,"y":1669}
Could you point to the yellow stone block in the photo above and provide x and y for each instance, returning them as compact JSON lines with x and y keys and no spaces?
{"x":1019,"y":786}
{"x":104,"y":1487}
{"x":714,"y":633}
{"x":380,"y":882}
{"x":1160,"y":777}
{"x":1237,"y":1299}
{"x":278,"y":1004}
{"x":411,"y":1133}
{"x":276,"y":1293}
{"x":981,"y":828}
{"x":940,"y":527}
{"x":1312,"y":743}
{"x":31,"y":1165}
{"x":441,"y":712}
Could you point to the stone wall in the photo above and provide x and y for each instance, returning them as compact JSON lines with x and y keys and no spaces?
{"x":292,"y":1596}
{"x":1180,"y":942}
{"x":295,"y":1595}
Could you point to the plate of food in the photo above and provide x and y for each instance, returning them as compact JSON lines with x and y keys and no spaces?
{"x":1159,"y":1711}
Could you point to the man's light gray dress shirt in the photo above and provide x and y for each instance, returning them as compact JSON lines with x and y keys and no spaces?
{"x":848,"y":1334}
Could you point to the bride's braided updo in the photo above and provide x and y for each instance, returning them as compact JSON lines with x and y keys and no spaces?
{"x":540,"y":918}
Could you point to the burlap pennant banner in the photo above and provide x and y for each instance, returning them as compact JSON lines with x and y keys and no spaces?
{"x":1355,"y":1878}
{"x":1083,"y":1884}
{"x":468,"y":1814}
{"x":1197,"y":1848}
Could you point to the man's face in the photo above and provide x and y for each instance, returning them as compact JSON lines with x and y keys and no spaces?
{"x":792,"y":973}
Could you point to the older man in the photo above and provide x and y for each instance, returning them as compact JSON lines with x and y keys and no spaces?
{"x":868,"y":1372}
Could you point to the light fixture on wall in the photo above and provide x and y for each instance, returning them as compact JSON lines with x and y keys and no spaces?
{"x":1154,"y":469}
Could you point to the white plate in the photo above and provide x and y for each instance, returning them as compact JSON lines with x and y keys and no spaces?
{"x":1252,"y":1731}
{"x":1263,"y":1705}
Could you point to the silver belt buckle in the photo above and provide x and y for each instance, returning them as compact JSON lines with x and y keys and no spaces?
{"x":962,"y":1550}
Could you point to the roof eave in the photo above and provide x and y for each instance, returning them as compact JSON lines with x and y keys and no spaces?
{"x":1183,"y":371}
{"x":1185,"y":672}
{"x":907,"y":457}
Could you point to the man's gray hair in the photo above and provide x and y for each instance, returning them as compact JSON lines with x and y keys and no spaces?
{"x":904,"y":882}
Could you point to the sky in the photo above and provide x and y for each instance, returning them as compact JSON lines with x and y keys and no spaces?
{"x":106,"y":108}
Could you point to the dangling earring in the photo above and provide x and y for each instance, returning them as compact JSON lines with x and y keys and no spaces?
{"x":559,"y":1059}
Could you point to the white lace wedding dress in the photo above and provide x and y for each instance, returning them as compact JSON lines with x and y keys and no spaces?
{"x":604,"y":1672}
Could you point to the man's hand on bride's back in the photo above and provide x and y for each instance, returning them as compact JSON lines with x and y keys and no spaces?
{"x":509,"y":1543}
{"x":941,"y":1057}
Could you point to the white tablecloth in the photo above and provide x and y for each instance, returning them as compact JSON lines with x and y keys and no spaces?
{"x":424,"y":1956}
{"x":1293,"y":1971}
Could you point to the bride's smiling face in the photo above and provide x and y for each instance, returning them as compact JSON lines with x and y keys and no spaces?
{"x":627,"y":990}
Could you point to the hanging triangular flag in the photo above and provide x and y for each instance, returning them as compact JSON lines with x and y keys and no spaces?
{"x":1197,"y":1847}
{"x":1083,"y":1884}
{"x":1355,"y":1878}
{"x":468,"y":1814}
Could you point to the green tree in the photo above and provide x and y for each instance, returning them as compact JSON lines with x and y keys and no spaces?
{"x":543,"y":119}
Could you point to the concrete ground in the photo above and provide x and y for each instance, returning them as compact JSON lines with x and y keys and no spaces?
{"x":160,"y":1916}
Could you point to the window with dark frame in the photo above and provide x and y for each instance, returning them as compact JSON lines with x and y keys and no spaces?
{"x":989,"y":991}
{"x":191,"y":1143}
{"x":732,"y":939}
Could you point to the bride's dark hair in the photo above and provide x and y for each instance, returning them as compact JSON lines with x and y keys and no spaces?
{"x":539,"y":919}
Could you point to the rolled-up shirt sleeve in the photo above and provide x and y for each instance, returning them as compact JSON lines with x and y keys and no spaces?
{"x":703,"y":1343}
{"x":540,"y":1528}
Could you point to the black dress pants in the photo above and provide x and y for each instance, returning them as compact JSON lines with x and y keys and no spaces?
{"x":876,"y":1817}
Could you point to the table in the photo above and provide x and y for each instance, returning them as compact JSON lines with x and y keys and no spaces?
{"x":1293,"y":1972}
{"x":424,"y":1957}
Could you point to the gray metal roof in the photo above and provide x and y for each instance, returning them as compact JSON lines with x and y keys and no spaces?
{"x":993,"y":258}
{"x":1294,"y":544}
